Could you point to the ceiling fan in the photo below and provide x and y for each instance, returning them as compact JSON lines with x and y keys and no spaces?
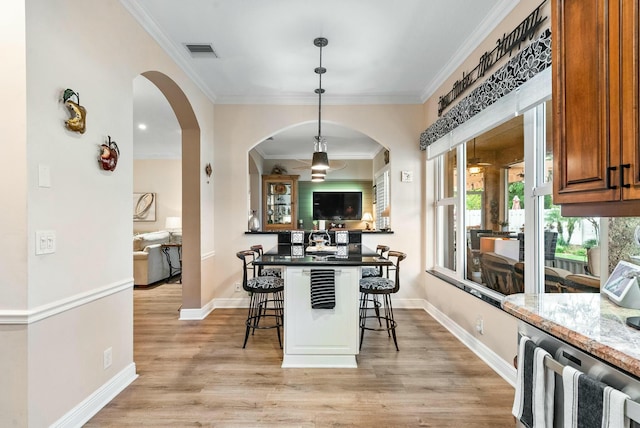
{"x":474,"y":164}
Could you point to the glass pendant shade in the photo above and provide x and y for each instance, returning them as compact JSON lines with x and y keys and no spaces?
{"x":317,"y":179}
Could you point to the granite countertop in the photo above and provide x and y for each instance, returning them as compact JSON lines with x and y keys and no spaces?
{"x":299,"y":255}
{"x":588,"y":321}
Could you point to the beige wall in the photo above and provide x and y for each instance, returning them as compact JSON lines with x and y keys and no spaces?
{"x":70,"y":306}
{"x":239,"y":128}
{"x":164,"y":178}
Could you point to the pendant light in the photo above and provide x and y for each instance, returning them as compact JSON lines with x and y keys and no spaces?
{"x":320,"y":159}
{"x":474,"y":165}
{"x":318,"y":175}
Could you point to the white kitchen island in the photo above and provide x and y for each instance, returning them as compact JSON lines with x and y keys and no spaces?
{"x":321,"y":337}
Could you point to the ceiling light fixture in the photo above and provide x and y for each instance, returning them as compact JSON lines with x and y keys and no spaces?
{"x":474,"y":165}
{"x":320,"y":159}
{"x":318,"y":175}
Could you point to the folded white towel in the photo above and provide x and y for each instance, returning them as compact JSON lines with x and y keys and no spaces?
{"x":535,"y":385}
{"x":589,"y":402}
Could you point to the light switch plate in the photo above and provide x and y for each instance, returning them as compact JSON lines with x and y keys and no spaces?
{"x":406,"y":176}
{"x":45,"y":242}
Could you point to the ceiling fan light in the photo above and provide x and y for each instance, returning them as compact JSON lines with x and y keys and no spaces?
{"x":474,"y":169}
{"x":320,"y":161}
{"x":318,"y":172}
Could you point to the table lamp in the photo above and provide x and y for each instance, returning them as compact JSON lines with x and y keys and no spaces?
{"x":173,"y":224}
{"x":367,"y":218}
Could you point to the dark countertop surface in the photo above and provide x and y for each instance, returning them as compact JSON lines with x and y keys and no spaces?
{"x":297,"y":255}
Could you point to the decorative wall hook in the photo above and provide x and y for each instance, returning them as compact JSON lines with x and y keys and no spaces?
{"x":208,"y":170}
{"x":109,"y":154}
{"x":77,"y":121}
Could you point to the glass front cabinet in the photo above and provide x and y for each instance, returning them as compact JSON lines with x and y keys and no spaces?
{"x":279,"y":202}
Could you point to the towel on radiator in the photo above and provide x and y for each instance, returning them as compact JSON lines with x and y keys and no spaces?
{"x":323,"y":289}
{"x":590,"y":403}
{"x":535,"y":385}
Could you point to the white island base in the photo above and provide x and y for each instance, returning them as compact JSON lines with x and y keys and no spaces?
{"x":321,"y":337}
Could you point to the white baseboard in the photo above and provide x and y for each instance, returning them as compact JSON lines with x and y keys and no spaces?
{"x":91,"y":405}
{"x":493,"y":360}
{"x":197,"y":314}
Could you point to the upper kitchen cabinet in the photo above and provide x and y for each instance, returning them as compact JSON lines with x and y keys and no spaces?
{"x":280,"y":201}
{"x":595,"y":102}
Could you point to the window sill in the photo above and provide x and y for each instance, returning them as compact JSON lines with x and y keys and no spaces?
{"x":494,"y":299}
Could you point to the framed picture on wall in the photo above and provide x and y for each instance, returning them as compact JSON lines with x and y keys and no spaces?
{"x":144,"y":207}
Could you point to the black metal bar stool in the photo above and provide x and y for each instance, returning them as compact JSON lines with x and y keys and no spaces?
{"x":385,"y":287}
{"x":264,"y":271}
{"x":375,"y":271}
{"x":267,"y":297}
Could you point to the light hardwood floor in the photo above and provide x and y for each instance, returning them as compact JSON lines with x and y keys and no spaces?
{"x":195,"y":373}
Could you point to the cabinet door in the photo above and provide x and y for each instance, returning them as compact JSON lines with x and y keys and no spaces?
{"x":583,"y":48}
{"x":279,"y":201}
{"x":629,"y":96}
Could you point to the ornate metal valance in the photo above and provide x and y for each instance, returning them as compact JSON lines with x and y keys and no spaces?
{"x":530,"y":61}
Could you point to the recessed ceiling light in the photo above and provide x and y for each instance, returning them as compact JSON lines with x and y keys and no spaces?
{"x":142,"y":126}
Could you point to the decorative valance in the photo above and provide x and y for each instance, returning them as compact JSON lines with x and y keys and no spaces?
{"x":523,"y":66}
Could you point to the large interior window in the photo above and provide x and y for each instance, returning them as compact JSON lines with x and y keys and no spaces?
{"x":514,"y":238}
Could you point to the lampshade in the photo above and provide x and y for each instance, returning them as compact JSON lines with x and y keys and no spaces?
{"x":386,"y":212}
{"x":367,"y":217}
{"x":173,"y":223}
{"x":318,"y":172}
{"x":320,"y":161}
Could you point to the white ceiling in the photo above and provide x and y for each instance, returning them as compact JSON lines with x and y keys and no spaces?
{"x":379,"y":51}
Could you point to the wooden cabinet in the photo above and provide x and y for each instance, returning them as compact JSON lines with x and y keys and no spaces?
{"x":279,"y":202}
{"x":595,"y":102}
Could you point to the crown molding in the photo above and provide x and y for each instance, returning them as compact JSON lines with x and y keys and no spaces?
{"x":495,"y":17}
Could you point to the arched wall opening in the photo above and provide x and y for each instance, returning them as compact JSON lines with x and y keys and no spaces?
{"x":191,"y":226}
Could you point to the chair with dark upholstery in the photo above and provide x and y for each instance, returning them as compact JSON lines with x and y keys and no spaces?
{"x":518,"y":274}
{"x":267,"y":297}
{"x":579,"y":283}
{"x":266,"y":271}
{"x":550,"y":242}
{"x":385,"y":287}
{"x":498,"y":273}
{"x":554,"y":279}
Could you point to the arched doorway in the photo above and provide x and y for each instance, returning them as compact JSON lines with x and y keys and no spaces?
{"x":191,"y":225}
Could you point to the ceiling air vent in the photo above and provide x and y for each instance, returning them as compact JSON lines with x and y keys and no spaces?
{"x":201,"y":50}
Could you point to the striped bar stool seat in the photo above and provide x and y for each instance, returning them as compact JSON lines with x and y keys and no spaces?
{"x":266,"y":305}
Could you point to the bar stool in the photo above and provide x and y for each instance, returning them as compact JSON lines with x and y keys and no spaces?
{"x":267,"y":297}
{"x":385,"y":287}
{"x":266,"y":271}
{"x":369,"y":271}
{"x":375,"y":271}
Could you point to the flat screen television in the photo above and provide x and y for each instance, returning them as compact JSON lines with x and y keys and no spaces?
{"x":337,"y":206}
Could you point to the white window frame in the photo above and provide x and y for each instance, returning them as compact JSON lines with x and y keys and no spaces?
{"x":529,"y":100}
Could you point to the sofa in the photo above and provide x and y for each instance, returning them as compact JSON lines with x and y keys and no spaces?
{"x":149,"y":261}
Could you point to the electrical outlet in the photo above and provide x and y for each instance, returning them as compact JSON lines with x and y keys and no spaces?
{"x":480,"y":325}
{"x":238,"y":286}
{"x":107,"y":358}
